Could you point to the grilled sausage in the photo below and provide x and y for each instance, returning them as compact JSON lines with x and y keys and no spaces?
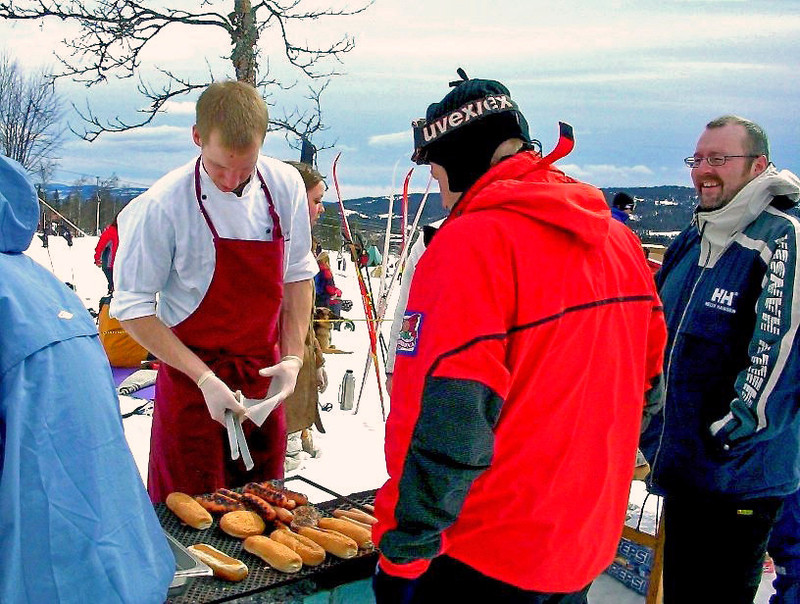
{"x":268,"y":493}
{"x":259,"y":506}
{"x":217,"y":503}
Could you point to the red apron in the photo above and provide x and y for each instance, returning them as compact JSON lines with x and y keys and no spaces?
{"x":234,"y":331}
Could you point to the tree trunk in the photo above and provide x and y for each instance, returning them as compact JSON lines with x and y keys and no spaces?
{"x":244,"y":38}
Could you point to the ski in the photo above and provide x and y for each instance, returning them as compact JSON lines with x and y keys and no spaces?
{"x":401,"y":262}
{"x":369,"y":310}
{"x":386,"y":240}
{"x":404,"y":209}
{"x":565,"y":144}
{"x":382,"y":303}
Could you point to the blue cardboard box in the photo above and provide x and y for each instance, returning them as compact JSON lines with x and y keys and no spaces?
{"x":632,"y":566}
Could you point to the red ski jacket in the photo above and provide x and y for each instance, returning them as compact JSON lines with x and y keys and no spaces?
{"x":109,"y":238}
{"x":519,"y":385}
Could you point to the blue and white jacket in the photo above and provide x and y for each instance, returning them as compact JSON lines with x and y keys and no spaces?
{"x":730,"y":284}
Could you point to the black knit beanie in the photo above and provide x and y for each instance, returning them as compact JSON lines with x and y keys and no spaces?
{"x":485,"y":116}
{"x":623,"y":201}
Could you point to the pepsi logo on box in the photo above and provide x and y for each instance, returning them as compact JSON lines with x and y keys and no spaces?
{"x":632,"y":566}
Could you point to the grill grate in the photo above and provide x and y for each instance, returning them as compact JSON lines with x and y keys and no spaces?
{"x":261,"y":577}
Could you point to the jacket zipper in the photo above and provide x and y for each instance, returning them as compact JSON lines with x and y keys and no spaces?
{"x":703,"y":268}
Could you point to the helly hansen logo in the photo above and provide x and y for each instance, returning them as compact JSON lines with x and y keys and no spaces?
{"x":756,"y":373}
{"x":770,"y":319}
{"x":466,"y":113}
{"x":722,"y":299}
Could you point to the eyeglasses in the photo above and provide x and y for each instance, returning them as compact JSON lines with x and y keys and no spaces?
{"x":713,"y":160}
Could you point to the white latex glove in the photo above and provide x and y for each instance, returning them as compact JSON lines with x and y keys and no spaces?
{"x":284,"y":379}
{"x":322,"y":379}
{"x":218,"y":397}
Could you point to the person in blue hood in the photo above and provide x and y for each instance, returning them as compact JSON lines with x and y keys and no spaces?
{"x":76,"y":524}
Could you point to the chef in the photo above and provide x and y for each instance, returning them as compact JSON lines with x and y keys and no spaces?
{"x":213,"y":276}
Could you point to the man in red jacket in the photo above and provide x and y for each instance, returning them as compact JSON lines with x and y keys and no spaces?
{"x":515,"y":417}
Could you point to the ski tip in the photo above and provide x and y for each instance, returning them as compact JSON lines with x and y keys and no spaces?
{"x":565,"y":130}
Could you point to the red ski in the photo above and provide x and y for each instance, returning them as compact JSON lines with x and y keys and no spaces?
{"x":369,"y":308}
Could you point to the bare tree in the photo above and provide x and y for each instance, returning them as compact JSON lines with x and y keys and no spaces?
{"x":115,"y":32}
{"x":30,"y":116}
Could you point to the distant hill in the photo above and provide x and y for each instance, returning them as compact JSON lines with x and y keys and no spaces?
{"x":89,"y":192}
{"x":660,"y":212}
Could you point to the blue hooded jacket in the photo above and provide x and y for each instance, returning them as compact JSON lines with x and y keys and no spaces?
{"x":75,"y":521}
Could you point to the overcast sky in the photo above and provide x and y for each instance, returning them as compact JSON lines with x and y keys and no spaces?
{"x":638,"y":80}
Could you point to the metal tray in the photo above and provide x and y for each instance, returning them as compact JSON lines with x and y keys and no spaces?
{"x":187,"y":567}
{"x":333,"y":571}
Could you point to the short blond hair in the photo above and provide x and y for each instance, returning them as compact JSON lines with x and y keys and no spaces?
{"x":235,"y":110}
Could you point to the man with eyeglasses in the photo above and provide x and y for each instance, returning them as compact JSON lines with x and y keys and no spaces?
{"x":726,"y":452}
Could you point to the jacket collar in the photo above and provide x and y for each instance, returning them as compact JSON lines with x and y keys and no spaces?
{"x":718,"y":228}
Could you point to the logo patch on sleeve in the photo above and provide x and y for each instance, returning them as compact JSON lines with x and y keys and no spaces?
{"x":409,"y":333}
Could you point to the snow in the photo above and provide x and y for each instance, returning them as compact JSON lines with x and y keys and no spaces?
{"x":351,"y":448}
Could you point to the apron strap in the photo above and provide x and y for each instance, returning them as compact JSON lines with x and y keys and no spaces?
{"x":276,"y":221}
{"x":273,"y":214}
{"x":199,"y":196}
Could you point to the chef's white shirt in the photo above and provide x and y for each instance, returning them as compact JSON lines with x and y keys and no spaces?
{"x":166,"y":250}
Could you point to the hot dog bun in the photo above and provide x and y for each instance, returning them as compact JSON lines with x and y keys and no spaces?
{"x":335,"y":543}
{"x":362,"y":536}
{"x":311,"y":552}
{"x":223,"y":565}
{"x":189,"y":511}
{"x":242,"y":524}
{"x":278,"y":556}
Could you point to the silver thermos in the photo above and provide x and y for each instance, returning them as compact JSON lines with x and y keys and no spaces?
{"x":347,"y":390}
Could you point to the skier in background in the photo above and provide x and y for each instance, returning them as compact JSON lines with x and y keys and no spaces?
{"x":622,"y":207}
{"x":106,"y":250}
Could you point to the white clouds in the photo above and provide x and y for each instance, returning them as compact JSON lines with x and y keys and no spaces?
{"x":636,"y":79}
{"x":179,"y":107}
{"x":394,"y":139}
{"x":150,"y":136}
{"x":606,"y":175}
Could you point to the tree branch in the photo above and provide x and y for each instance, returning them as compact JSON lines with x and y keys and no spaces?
{"x":113,"y":34}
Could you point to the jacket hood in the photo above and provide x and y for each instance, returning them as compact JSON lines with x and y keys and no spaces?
{"x":718,"y":227}
{"x":524,"y":184}
{"x":19,"y":207}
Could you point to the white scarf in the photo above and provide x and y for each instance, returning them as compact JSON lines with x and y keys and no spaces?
{"x":719,"y":227}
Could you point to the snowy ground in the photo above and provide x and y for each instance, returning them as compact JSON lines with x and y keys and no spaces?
{"x":352,"y":447}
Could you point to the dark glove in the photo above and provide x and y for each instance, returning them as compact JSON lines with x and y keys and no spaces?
{"x":392,"y":590}
{"x":347,"y":305}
